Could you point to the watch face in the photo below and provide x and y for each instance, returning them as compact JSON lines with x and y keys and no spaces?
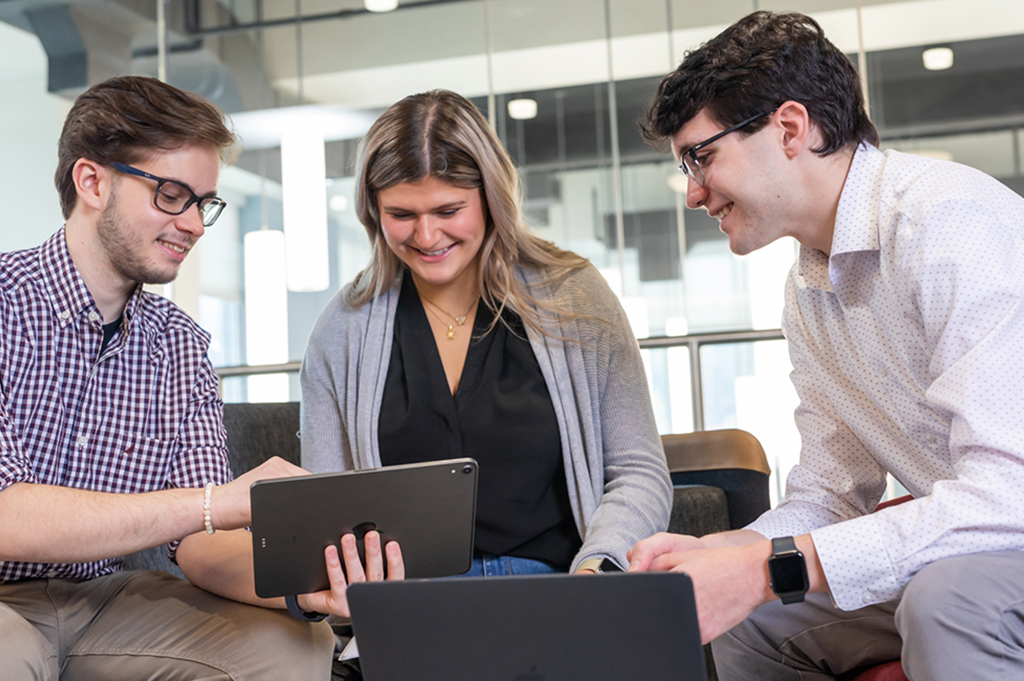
{"x":787,"y":573}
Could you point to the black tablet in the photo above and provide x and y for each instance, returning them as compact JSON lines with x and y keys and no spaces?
{"x":428,"y":508}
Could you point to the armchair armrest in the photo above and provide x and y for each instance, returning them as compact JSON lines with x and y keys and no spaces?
{"x":714,"y":450}
{"x":732,"y":460}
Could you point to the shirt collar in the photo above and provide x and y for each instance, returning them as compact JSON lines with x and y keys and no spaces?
{"x":133,"y":305}
{"x":68,"y":293}
{"x":812,"y":266}
{"x":855,"y":229}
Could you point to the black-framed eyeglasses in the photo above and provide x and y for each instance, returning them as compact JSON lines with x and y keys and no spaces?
{"x":690,"y":166}
{"x":174,"y":198}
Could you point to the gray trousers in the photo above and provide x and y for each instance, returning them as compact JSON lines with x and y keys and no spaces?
{"x":139,"y":625}
{"x":959,"y":618}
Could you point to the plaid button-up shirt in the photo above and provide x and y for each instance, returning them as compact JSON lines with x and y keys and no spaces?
{"x":143,"y":416}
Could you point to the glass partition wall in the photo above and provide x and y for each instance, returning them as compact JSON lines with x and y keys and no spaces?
{"x":563,"y":83}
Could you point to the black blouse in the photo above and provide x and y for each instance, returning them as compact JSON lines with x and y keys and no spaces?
{"x":501,"y":416}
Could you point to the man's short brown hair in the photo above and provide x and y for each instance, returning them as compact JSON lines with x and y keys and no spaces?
{"x":125,"y":119}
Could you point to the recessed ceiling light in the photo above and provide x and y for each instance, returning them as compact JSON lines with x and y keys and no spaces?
{"x":264,"y":128}
{"x":937,"y":58}
{"x":522,"y":109}
{"x":380,"y":5}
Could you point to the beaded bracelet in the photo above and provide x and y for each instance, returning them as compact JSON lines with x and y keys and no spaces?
{"x":207,"y":521}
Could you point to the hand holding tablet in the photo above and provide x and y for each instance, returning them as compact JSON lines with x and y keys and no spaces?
{"x":313,"y":606}
{"x":428,"y":508}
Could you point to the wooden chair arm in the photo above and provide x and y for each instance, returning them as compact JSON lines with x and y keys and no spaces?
{"x":714,"y":450}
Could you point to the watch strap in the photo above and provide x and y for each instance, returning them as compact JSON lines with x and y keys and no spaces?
{"x":790,"y":598}
{"x":783,"y":545}
{"x":298,"y":613}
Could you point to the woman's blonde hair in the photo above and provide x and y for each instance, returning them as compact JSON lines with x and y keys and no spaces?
{"x":442,"y":135}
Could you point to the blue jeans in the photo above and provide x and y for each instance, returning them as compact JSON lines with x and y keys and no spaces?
{"x":489,"y":565}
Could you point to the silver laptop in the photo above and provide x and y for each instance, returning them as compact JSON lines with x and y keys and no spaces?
{"x":610,"y":627}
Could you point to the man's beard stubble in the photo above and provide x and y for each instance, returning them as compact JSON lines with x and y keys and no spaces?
{"x":124,"y":248}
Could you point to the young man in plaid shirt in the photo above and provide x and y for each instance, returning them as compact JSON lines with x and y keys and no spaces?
{"x":110,"y":426}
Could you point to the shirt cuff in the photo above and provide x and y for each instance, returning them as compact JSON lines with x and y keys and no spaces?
{"x":778,"y":523}
{"x":172,"y":551}
{"x":856,"y":563}
{"x":11,"y":472}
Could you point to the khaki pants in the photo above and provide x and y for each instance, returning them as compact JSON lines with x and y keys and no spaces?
{"x":139,"y":625}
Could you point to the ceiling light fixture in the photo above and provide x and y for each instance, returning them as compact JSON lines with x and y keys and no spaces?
{"x":263,"y":129}
{"x":380,"y":5}
{"x":937,"y":58}
{"x":522,"y":109}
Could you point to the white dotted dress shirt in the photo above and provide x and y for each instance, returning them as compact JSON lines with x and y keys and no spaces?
{"x":908,"y":353}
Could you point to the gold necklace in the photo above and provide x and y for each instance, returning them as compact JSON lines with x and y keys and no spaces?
{"x":460,"y":320}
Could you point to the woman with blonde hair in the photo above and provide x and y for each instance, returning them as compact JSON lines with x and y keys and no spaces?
{"x":469,"y":336}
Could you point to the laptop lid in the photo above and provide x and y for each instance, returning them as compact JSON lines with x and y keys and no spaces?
{"x":529,"y":628}
{"x":429,"y":508}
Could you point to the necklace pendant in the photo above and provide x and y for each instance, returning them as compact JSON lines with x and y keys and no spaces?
{"x":451,"y":332}
{"x":460,"y":320}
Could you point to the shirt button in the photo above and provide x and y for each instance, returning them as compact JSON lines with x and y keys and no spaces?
{"x":82,"y":441}
{"x":866,"y":598}
{"x":50,"y":574}
{"x":65,"y":314}
{"x":93,"y":316}
{"x":930,"y":438}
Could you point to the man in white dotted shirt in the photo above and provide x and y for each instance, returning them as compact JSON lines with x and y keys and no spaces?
{"x":905,"y":320}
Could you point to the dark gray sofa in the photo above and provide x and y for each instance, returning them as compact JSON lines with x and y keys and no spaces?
{"x":255,"y":433}
{"x":720,"y":478}
{"x":719,"y":482}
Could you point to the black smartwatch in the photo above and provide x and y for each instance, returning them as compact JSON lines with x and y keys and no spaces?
{"x":788,"y":571}
{"x":298,"y":613}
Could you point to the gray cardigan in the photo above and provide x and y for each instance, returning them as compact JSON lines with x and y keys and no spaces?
{"x":615,"y":468}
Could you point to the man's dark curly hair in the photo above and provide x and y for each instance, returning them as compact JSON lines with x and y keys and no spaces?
{"x":751,"y":68}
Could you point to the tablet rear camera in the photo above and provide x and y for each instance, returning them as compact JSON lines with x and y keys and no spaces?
{"x":467,"y":469}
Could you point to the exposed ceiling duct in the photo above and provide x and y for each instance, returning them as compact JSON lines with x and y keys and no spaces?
{"x":87,"y":41}
{"x":83,"y":44}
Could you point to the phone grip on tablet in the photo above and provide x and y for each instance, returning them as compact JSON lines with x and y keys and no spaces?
{"x":298,"y":613}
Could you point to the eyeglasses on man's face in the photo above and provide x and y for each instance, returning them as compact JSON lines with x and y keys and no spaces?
{"x":174,"y":198}
{"x":689,"y":164}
